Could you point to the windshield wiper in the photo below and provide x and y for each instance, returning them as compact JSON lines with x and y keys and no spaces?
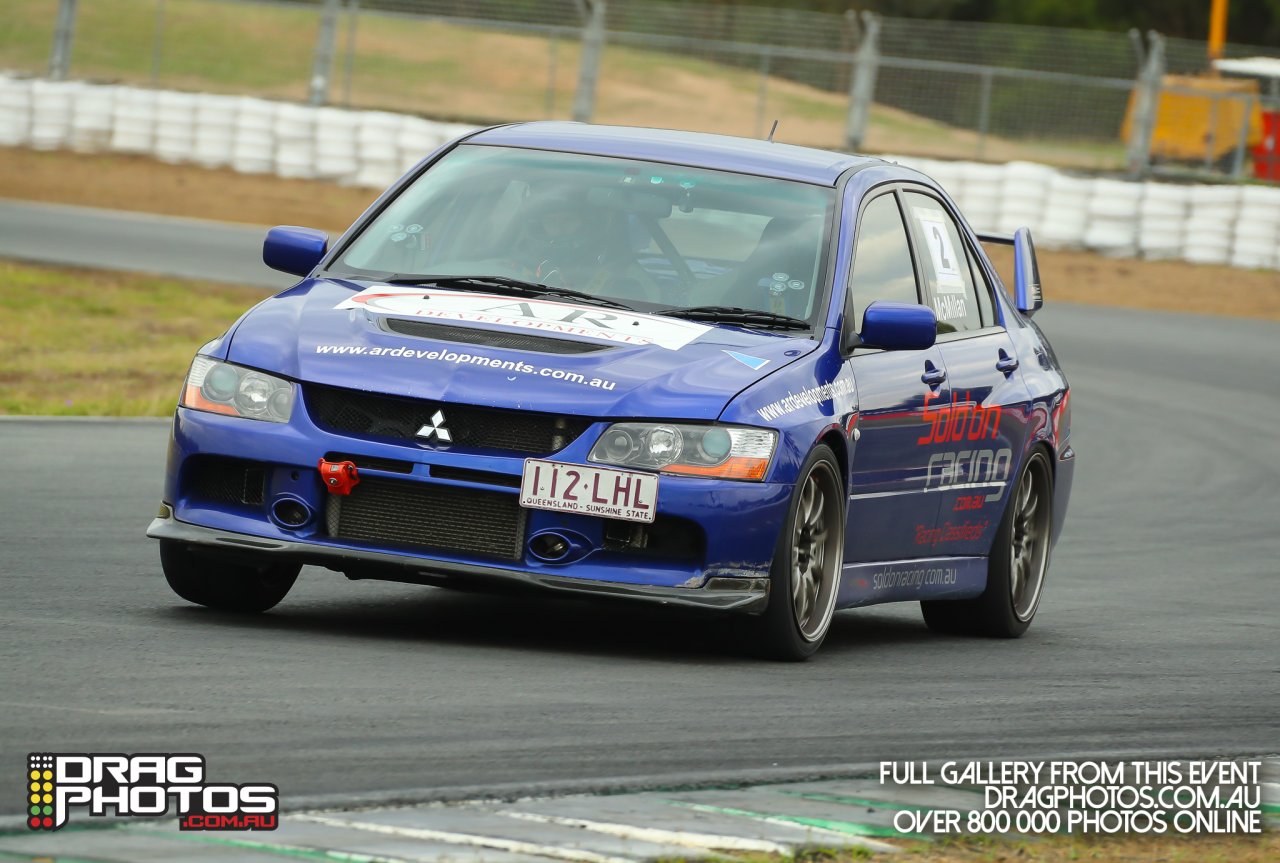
{"x":505,"y":285}
{"x":738,"y":317}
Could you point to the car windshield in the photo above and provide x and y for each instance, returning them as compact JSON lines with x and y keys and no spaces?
{"x":652,"y":236}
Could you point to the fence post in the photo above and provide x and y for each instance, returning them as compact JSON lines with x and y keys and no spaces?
{"x":64,"y":32}
{"x":984,"y":111}
{"x":1242,"y":143}
{"x":349,"y":61}
{"x":584,"y":100}
{"x":862,"y":86}
{"x":1146,"y":105}
{"x":322,"y":67}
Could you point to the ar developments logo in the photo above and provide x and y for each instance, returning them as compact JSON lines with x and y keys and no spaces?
{"x":144,"y":786}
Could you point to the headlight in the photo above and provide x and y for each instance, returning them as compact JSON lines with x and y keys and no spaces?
{"x":223,"y":388}
{"x":727,"y":452}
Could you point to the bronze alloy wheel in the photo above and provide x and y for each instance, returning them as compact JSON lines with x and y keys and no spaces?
{"x":805,"y":579}
{"x":1029,"y":540}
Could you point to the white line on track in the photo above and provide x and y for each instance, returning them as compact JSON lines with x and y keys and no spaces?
{"x":846,"y":838}
{"x":658,"y":836}
{"x":450,"y":838}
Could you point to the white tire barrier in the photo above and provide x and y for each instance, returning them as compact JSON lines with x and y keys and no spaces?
{"x":215,"y":130}
{"x":295,"y":133}
{"x":1219,"y":224}
{"x":175,"y":127}
{"x":51,"y":105}
{"x":1066,"y":212}
{"x":92,"y":119}
{"x":133,"y":128}
{"x":253,"y":140}
{"x":1024,"y":192}
{"x":15,"y":112}
{"x":336,"y":151}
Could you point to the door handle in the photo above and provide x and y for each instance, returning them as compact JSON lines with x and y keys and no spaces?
{"x":1006,"y":363}
{"x":933,"y":376}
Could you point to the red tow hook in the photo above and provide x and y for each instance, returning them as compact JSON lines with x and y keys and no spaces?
{"x":339,"y":477}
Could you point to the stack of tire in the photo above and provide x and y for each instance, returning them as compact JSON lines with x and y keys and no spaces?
{"x":1162,"y":220}
{"x":15,"y":112}
{"x":1256,"y":242}
{"x":1113,"y":218}
{"x":1210,"y":224}
{"x":1066,"y":213}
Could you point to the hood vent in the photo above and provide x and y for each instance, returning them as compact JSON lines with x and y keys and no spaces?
{"x":488,"y":338}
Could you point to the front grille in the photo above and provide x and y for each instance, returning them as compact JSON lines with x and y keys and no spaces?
{"x":377,"y":416}
{"x":490,"y":338}
{"x":224,"y":481}
{"x":417,"y":515}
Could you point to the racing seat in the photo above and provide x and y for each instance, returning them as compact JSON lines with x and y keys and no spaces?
{"x":786,"y":249}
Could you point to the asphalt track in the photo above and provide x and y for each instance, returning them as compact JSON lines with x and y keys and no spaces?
{"x":1157,"y":633}
{"x":116,"y":240}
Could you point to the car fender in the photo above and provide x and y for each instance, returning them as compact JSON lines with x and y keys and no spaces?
{"x":806,"y":402}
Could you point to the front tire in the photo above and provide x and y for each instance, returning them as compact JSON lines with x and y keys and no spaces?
{"x":1016,"y":568}
{"x":224,"y":585}
{"x":805,"y":576}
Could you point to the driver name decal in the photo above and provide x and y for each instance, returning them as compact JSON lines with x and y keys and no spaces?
{"x":613,"y":325}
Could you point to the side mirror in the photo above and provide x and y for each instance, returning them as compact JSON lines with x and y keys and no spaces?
{"x":898,"y":326}
{"x":1027,"y":295}
{"x":290,"y":249}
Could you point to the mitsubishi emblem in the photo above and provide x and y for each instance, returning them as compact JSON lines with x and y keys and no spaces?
{"x":436,"y":428}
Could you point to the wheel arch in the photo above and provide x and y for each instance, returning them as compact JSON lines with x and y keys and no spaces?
{"x":835,"y":440}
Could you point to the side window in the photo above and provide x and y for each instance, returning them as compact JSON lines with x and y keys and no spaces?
{"x":983,"y":288}
{"x":882,"y":268}
{"x":946,"y":264}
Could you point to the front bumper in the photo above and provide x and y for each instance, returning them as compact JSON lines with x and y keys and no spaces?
{"x":717,"y":593}
{"x":737,"y":523}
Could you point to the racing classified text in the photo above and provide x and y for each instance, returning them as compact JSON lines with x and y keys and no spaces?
{"x":456,"y":358}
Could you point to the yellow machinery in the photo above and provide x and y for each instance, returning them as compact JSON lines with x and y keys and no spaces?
{"x":1203,"y":117}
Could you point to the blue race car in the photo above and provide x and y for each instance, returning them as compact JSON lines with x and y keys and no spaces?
{"x":683,"y":368}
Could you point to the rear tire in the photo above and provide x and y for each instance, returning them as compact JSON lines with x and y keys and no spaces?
{"x":1016,"y":568}
{"x":225,"y":585}
{"x":805,"y":577}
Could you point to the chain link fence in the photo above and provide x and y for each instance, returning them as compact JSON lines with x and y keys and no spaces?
{"x":906,"y":86}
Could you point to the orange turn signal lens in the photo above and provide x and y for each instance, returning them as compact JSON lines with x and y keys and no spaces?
{"x":738,"y":467}
{"x":193,"y":398}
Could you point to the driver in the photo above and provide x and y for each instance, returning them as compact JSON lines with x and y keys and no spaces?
{"x":562,"y":239}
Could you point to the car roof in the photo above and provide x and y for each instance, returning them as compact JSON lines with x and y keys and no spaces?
{"x":696,"y":149}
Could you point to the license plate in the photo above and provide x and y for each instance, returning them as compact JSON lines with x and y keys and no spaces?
{"x":599,"y":491}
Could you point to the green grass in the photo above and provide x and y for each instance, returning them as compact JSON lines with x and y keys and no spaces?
{"x":85,"y":342}
{"x":473,"y":75}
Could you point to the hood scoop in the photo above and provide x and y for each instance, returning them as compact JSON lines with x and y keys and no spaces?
{"x":487,"y":338}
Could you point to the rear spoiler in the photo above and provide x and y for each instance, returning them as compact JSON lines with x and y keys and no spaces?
{"x":1027,"y":294}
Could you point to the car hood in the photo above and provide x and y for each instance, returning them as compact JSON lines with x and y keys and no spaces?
{"x":506,"y":352}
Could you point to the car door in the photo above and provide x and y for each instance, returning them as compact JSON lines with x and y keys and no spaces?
{"x":976,"y":434}
{"x":888,"y":504}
